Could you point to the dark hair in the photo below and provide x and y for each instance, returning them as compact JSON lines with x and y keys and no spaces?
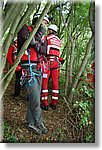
{"x":52,"y":31}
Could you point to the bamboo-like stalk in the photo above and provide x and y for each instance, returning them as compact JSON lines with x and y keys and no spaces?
{"x":10,"y":36}
{"x":87,"y":55}
{"x":27,"y":14}
{"x":7,"y":78}
{"x":10,"y":17}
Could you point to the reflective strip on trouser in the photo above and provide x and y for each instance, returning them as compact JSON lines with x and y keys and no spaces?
{"x":44,"y":94}
{"x":54,"y":74}
{"x":34,"y":115}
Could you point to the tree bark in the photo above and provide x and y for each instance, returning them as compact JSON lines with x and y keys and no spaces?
{"x":92,"y":16}
{"x":7,"y":78}
{"x":87,"y":55}
{"x":11,"y":34}
{"x":71,"y":62}
{"x":10,"y":16}
{"x":25,"y":17}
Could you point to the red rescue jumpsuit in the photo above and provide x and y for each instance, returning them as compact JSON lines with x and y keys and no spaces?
{"x":11,"y":57}
{"x":53,"y":53}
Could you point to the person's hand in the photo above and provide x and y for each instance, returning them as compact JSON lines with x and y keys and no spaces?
{"x":33,"y":42}
{"x":18,"y":68}
{"x":61,"y":60}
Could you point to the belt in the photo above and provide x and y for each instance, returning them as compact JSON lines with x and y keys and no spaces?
{"x":52,"y":57}
{"x":26,"y":64}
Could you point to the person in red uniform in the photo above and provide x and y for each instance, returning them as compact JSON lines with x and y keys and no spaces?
{"x":11,"y":57}
{"x":32,"y":75}
{"x":52,"y":56}
{"x":91,"y":75}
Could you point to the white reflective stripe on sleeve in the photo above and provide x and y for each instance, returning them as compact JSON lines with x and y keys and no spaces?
{"x":53,"y":97}
{"x":44,"y":91}
{"x":55,"y":91}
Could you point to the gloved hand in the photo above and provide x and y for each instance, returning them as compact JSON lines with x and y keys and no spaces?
{"x":41,"y":31}
{"x":62,"y":62}
{"x":37,"y":47}
{"x":33,"y":42}
{"x":18,"y":68}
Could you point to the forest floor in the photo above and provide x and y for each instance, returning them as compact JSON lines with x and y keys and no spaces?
{"x":59,"y":122}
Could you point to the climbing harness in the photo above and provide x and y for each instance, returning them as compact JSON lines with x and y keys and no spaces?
{"x":32,"y":74}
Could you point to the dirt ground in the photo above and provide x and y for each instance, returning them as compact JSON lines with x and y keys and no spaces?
{"x":59,"y":122}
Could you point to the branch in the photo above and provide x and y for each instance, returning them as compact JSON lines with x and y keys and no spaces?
{"x":92,"y":16}
{"x":26,"y":16}
{"x":10,"y":36}
{"x":8,"y":77}
{"x":87,"y":55}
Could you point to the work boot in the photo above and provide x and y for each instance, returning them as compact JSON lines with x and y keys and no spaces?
{"x":53,"y":106}
{"x":43,"y":128}
{"x":35,"y":129}
{"x":16,"y":94}
{"x":44,"y":107}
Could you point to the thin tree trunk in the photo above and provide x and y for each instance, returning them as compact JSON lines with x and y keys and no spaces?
{"x":87,"y":55}
{"x":92,"y":16}
{"x":64,"y":51}
{"x":7,"y":78}
{"x":29,"y":11}
{"x":12,"y":32}
{"x":71,"y":62}
{"x":67,"y":70}
{"x":10,"y":16}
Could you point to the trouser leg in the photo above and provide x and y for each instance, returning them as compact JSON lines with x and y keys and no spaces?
{"x":55,"y":90}
{"x":44,"y":95}
{"x":34,"y":114}
{"x":17,"y":83}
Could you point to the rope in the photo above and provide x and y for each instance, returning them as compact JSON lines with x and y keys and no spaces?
{"x":32,"y":80}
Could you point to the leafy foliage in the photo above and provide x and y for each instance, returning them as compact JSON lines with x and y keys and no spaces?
{"x":84,"y":115}
{"x":72,"y":19}
{"x":9,"y":136}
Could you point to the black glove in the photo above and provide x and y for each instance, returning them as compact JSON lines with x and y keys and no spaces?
{"x":33,"y":42}
{"x":41,"y":31}
{"x":62,"y":62}
{"x":37,"y":48}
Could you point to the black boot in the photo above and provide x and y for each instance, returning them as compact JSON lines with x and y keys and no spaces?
{"x":44,"y":107}
{"x":53,"y":106}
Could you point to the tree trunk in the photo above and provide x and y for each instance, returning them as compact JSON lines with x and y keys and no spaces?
{"x":7,"y":78}
{"x":67,"y":70}
{"x":71,"y":62}
{"x":11,"y":34}
{"x":24,"y":19}
{"x":87,"y":55}
{"x":10,"y":16}
{"x":92,"y":16}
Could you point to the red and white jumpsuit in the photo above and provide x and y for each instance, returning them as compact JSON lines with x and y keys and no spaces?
{"x":11,"y":57}
{"x":50,"y":69}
